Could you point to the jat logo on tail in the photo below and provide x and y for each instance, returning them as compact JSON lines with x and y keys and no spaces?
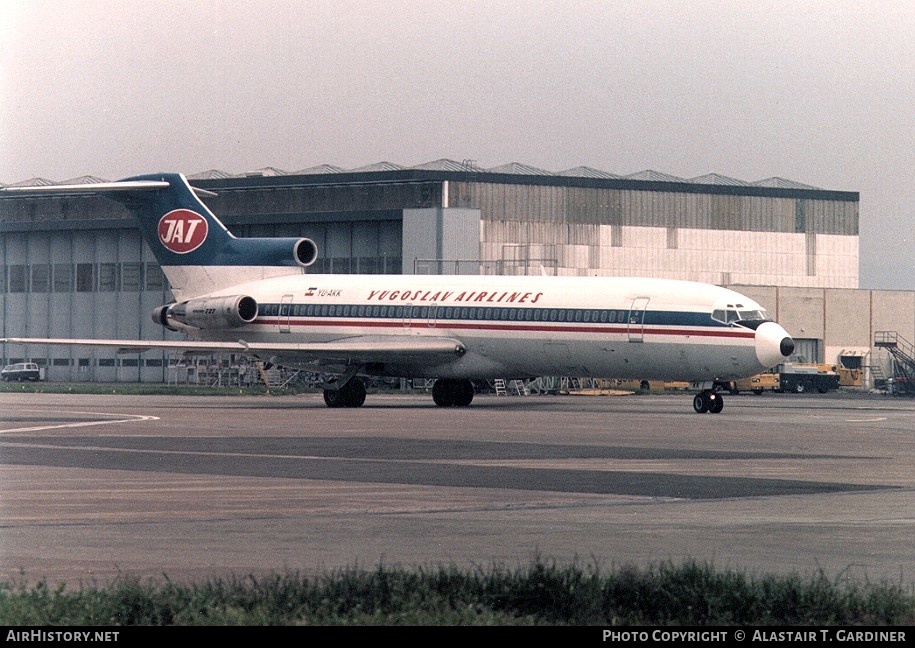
{"x":182,"y":231}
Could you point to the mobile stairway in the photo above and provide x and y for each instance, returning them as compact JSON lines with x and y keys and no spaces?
{"x":903,"y":361}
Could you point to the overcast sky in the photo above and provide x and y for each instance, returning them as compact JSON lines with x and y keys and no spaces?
{"x":821,"y":92}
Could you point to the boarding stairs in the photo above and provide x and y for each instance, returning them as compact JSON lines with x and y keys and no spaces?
{"x":878,"y":376}
{"x":903,"y":355}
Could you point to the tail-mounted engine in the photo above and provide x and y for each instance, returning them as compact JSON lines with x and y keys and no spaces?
{"x":207,"y":313}
{"x":305,"y":251}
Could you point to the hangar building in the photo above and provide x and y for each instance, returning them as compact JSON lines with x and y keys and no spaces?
{"x":75,"y":266}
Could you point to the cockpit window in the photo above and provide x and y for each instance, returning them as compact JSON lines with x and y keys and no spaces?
{"x":737,"y":314}
{"x":754,"y":315}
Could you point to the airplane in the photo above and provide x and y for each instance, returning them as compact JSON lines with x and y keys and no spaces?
{"x":255,"y":297}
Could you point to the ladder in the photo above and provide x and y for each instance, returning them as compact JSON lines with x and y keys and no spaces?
{"x":272,"y":377}
{"x":517,"y":385}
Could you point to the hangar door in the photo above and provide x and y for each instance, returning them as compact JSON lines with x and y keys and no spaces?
{"x":810,"y":350}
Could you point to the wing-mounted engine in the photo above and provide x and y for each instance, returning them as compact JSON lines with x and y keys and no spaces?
{"x":207,"y":313}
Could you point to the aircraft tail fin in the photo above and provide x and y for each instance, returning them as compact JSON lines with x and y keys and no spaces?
{"x":195,"y":250}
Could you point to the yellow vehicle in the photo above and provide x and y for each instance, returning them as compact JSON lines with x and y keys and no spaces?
{"x":847,"y":377}
{"x":757,"y":384}
{"x":646,"y":386}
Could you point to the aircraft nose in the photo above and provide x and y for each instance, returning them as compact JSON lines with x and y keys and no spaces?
{"x":787,"y":346}
{"x":773,"y":344}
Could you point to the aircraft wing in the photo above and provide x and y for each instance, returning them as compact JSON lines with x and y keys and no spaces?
{"x":358,"y":349}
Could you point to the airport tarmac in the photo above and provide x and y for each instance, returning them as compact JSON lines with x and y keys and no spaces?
{"x":94,"y":488}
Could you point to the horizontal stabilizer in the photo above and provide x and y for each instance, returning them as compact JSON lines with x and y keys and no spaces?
{"x":100,"y":187}
{"x":94,"y":187}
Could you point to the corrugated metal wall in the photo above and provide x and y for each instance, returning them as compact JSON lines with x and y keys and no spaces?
{"x":689,"y":235}
{"x":644,"y":208}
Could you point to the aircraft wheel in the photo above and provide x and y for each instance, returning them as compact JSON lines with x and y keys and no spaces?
{"x":716,"y":403}
{"x":353,"y":393}
{"x":708,"y":401}
{"x":442,"y":394}
{"x":451,"y":393}
{"x":464,"y":393}
{"x":333,"y":398}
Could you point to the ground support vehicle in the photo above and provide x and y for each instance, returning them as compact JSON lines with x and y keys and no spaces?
{"x":794,"y":378}
{"x":798,"y":378}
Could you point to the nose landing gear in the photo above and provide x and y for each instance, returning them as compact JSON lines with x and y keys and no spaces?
{"x":708,"y":401}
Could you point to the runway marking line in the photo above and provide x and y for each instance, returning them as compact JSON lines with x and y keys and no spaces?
{"x":131,"y":418}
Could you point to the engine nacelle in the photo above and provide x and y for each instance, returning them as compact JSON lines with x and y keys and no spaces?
{"x":306,"y":251}
{"x":160,"y":317}
{"x":208,"y":313}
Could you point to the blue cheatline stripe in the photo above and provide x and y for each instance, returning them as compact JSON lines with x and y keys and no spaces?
{"x":496,"y":318}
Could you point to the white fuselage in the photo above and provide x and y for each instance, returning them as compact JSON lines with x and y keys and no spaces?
{"x":514,"y":326}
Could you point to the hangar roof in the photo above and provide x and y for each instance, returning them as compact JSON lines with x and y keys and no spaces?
{"x":444,"y":164}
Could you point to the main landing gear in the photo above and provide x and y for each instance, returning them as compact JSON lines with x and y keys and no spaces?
{"x":708,"y":401}
{"x":349,"y":394}
{"x":452,"y":392}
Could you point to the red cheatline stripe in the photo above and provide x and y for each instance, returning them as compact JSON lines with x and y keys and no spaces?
{"x":420,"y":323}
